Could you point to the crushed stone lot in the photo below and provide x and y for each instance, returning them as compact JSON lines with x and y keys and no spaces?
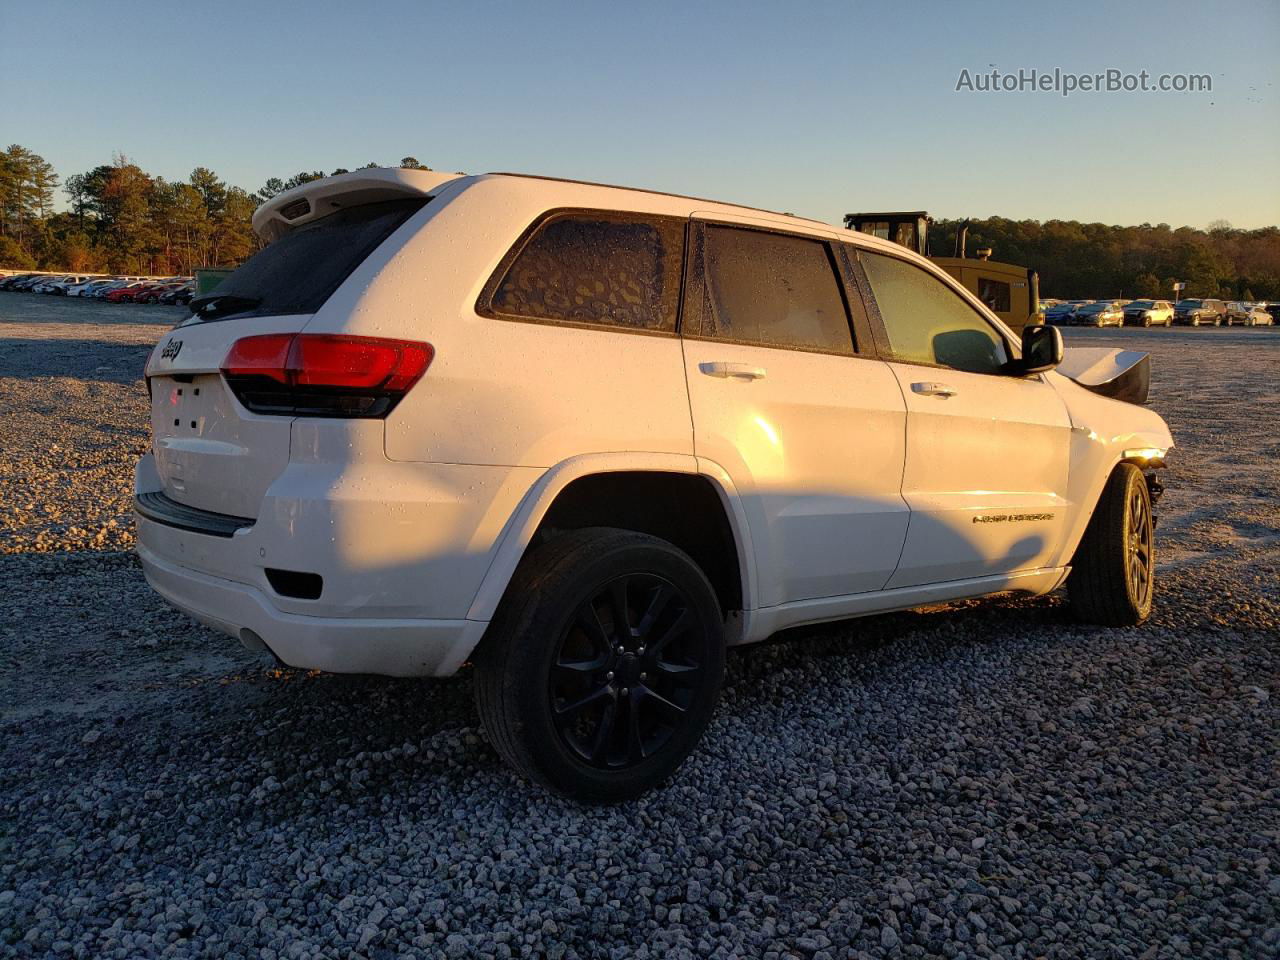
{"x":981,"y":779}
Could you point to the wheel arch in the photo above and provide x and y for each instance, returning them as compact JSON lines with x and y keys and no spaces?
{"x":584,"y":490}
{"x":1092,"y":493}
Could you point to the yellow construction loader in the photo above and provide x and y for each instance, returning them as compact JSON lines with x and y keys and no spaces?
{"x":1012,"y":292}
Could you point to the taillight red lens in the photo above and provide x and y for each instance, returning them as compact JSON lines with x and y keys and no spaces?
{"x":316,"y":374}
{"x":262,"y":356}
{"x":358,"y":362}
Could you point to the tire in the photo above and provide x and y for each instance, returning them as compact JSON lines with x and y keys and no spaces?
{"x":1112,"y":580}
{"x":1146,"y":321}
{"x":552,"y":656}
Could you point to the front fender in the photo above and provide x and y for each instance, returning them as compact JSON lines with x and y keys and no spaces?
{"x":1104,"y":433}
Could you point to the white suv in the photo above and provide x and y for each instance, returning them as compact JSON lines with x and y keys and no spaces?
{"x":586,"y":436}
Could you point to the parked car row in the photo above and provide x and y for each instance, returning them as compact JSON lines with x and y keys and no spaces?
{"x":1094,"y":313}
{"x":1251,"y":314}
{"x":111,"y":289}
{"x":1193,"y":312}
{"x":1196,"y":312}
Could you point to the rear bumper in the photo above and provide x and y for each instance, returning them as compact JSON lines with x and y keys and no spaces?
{"x":401,"y":551}
{"x":397,"y":648}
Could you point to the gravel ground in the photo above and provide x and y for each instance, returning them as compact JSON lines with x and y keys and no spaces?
{"x":985,"y":779}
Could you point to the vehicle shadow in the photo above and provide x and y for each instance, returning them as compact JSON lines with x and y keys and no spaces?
{"x":369,"y":737}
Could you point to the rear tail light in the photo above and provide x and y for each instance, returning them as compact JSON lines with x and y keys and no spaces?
{"x":323,"y":375}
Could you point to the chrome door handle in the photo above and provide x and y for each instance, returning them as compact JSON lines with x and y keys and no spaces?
{"x":931,"y":388}
{"x":741,"y":371}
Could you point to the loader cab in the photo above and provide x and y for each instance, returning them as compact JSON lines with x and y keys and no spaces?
{"x":910,"y":229}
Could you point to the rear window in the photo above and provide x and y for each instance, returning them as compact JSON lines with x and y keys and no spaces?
{"x":596,"y":268}
{"x":301,"y":270}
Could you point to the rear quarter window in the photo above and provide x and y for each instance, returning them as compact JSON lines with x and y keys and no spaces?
{"x":592,"y":268}
{"x":301,"y":270}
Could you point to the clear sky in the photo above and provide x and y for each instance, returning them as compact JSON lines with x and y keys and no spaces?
{"x":813,"y":108}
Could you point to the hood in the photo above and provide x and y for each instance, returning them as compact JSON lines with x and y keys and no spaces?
{"x":1119,"y":374}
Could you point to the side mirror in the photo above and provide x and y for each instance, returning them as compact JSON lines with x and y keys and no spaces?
{"x":1041,"y":349}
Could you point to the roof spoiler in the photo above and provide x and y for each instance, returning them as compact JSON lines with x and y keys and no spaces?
{"x":319,"y":198}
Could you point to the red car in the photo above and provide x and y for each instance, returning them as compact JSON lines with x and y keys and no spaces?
{"x":153,"y":293}
{"x":127,"y":294}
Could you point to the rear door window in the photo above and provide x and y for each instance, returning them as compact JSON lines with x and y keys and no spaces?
{"x":301,"y":270}
{"x":595,"y":268}
{"x":771,"y":289}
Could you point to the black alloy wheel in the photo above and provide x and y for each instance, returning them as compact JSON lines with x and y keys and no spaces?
{"x":602,"y":667}
{"x":625,"y":672}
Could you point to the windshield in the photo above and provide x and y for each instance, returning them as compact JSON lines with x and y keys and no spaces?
{"x":1143,"y":304}
{"x":1190,"y":303}
{"x":299,"y":272}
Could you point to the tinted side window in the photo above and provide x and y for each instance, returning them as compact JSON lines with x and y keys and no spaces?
{"x":773,"y":290}
{"x":608,"y":269}
{"x":927,"y":322}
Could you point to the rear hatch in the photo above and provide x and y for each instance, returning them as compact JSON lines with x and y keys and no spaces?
{"x":211,"y":451}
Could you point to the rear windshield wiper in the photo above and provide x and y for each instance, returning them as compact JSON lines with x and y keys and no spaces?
{"x":219,"y":305}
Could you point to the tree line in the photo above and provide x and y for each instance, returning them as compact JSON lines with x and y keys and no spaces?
{"x":1096,"y":260}
{"x":122,"y":219}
